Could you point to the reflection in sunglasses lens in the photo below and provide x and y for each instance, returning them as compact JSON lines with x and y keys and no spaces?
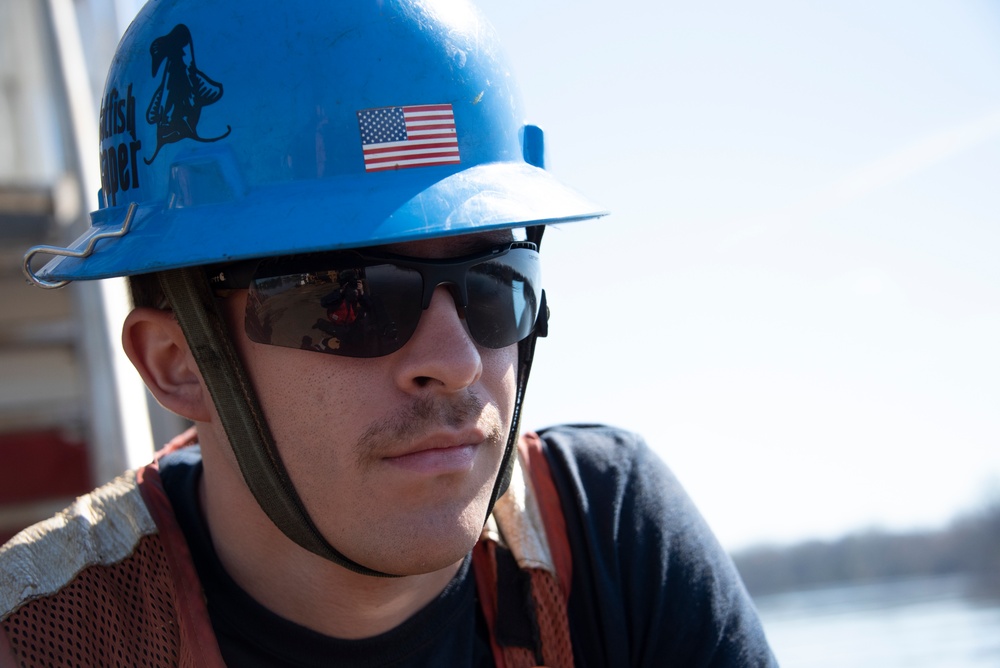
{"x":373,"y":310}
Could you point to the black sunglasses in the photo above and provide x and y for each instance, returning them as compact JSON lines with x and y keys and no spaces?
{"x":367,"y":304}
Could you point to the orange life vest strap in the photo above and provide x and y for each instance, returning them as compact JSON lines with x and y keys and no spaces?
{"x":526,"y":608}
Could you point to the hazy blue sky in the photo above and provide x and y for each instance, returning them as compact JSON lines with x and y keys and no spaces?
{"x":797,"y":296}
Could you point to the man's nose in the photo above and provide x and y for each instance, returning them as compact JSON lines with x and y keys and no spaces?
{"x":441,"y":354}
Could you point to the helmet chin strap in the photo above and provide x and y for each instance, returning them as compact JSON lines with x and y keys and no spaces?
{"x":201,"y":319}
{"x":525,"y":355}
{"x":200,"y":316}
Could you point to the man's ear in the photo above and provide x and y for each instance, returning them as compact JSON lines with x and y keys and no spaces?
{"x":157,"y":348}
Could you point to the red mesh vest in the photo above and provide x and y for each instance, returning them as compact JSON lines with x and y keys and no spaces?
{"x":110,"y":581}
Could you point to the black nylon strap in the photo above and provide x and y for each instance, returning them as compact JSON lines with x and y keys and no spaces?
{"x":198,"y":313}
{"x":525,"y":355}
{"x":517,"y":619}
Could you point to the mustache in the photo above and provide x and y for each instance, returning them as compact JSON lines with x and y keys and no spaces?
{"x":423,"y":416}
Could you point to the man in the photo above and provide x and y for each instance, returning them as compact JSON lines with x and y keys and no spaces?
{"x":363,"y":500}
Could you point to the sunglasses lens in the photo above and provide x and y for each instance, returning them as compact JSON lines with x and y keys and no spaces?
{"x":355,"y":312}
{"x":503,"y":302}
{"x":373,"y":310}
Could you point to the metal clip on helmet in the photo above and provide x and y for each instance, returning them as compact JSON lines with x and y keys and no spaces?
{"x":240,"y":129}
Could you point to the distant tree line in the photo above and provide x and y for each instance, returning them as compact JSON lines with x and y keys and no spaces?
{"x":970,"y":545}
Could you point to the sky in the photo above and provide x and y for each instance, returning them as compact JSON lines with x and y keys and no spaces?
{"x":796,"y":297}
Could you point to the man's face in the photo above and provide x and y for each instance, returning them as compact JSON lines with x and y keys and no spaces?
{"x":395,"y":457}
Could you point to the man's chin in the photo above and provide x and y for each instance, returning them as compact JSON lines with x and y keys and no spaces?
{"x":425,"y":544}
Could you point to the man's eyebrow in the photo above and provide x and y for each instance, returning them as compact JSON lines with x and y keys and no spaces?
{"x":470,"y":243}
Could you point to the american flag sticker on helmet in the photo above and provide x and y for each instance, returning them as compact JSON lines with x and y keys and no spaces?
{"x":412,"y":136}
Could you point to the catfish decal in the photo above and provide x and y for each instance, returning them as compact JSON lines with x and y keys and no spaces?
{"x":183,"y":91}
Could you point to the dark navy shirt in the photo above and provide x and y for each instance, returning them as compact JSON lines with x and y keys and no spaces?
{"x":651,"y":585}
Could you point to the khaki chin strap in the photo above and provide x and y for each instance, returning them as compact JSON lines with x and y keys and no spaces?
{"x":201,"y":319}
{"x":199,"y":314}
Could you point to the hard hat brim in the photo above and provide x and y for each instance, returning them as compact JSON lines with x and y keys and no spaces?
{"x":363,"y":210}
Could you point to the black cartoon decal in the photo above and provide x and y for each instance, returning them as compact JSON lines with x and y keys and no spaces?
{"x":183,"y":91}
{"x":120,"y":144}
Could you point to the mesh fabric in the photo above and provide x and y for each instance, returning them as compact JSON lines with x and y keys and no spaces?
{"x":123,"y":614}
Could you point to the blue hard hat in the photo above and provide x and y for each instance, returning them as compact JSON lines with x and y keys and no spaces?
{"x":232,"y":130}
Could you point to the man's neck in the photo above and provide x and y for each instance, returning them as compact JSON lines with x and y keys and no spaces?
{"x":300,"y":586}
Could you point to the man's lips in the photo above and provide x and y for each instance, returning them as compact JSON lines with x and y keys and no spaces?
{"x":441,"y":454}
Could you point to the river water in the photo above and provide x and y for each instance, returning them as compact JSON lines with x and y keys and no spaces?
{"x":925,"y":623}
